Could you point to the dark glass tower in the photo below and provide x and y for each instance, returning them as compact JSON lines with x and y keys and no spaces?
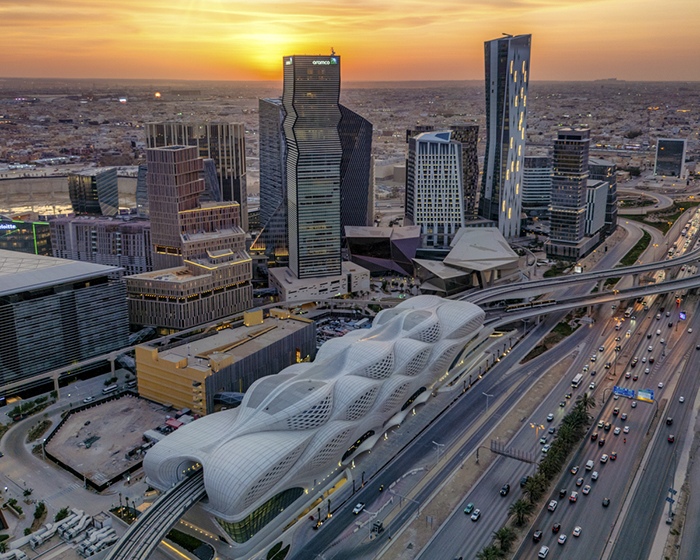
{"x":314,"y":153}
{"x":356,"y":177}
{"x":603,"y":170}
{"x":507,"y":75}
{"x":94,"y":192}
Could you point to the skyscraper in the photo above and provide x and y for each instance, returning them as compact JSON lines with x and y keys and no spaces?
{"x":94,"y":192}
{"x":603,"y":170}
{"x":537,"y":185}
{"x":356,"y":170}
{"x":314,"y":153}
{"x":670,"y":157}
{"x":434,"y":192}
{"x":220,"y":141}
{"x":507,"y":75}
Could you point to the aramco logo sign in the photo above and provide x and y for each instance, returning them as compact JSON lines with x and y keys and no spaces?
{"x":329,"y":62}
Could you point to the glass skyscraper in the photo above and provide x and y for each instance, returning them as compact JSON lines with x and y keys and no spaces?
{"x":94,"y":192}
{"x":507,"y":75}
{"x":314,"y":153}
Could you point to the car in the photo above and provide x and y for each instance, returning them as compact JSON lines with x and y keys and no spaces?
{"x":658,"y":316}
{"x":589,"y":465}
{"x":650,"y":348}
{"x":552,"y":505}
{"x":594,"y":436}
{"x":670,"y":325}
{"x":537,"y":536}
{"x":635,"y":377}
{"x":604,"y":458}
{"x":577,"y":531}
{"x":671,"y":438}
{"x":601,"y":349}
{"x":561,"y":539}
{"x":616,"y":431}
{"x":634,"y":404}
{"x":546,"y":448}
{"x":579,"y":481}
{"x":647,"y":370}
{"x":616,"y":397}
{"x":475,"y":515}
{"x":523,"y":481}
{"x":644,"y":359}
{"x":648,"y":335}
{"x":568,"y":395}
{"x":668,"y":313}
{"x":617,"y":339}
{"x":586,"y":489}
{"x":662,"y":309}
{"x":550,"y":417}
{"x":601,"y":423}
{"x":628,"y":374}
{"x":601,"y":442}
{"x":358,"y":508}
{"x":635,"y":361}
{"x":543,"y":440}
{"x":551,"y":430}
{"x":651,"y":359}
{"x":618,"y":348}
{"x":88,"y":399}
{"x":606,"y":502}
{"x":681,"y":399}
{"x":690,"y":329}
{"x":469,"y":508}
{"x":616,"y":411}
{"x":626,"y":430}
{"x":594,"y":475}
{"x":556,"y":527}
{"x":669,"y":421}
{"x":697,"y":346}
{"x":628,"y":333}
{"x":562,"y":404}
{"x":660,"y":385}
{"x":573,"y":497}
{"x":592,"y":385}
{"x":585,"y":368}
{"x":613,"y":455}
{"x":593,"y":372}
{"x":594,"y":358}
{"x":608,"y":365}
{"x":658,"y":332}
{"x":662,"y":341}
{"x":562,"y":492}
{"x":607,"y":426}
{"x":623,"y":416}
{"x":504,"y":490}
{"x":543,"y":552}
{"x":574,"y":470}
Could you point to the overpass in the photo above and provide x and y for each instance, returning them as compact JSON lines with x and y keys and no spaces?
{"x":143,"y":536}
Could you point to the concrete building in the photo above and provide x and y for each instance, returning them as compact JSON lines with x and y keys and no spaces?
{"x":314,"y":154}
{"x":202,"y":271}
{"x":434,"y":190}
{"x":507,"y":77}
{"x":56,"y":312}
{"x":94,"y":192}
{"x":290,"y":445}
{"x":604,"y":170}
{"x":220,"y":141}
{"x":123,"y":241}
{"x":197,"y":371}
{"x":352,"y":279}
{"x":537,"y":185}
{"x":670,"y":157}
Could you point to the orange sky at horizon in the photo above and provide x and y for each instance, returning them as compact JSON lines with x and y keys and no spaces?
{"x":378,"y":40}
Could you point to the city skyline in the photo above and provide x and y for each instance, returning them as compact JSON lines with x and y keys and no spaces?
{"x":232,"y":41}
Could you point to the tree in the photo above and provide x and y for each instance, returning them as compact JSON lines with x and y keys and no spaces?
{"x":521,"y":510}
{"x":535,"y":487}
{"x":585,"y":402}
{"x":505,"y":537}
{"x":490,"y":552}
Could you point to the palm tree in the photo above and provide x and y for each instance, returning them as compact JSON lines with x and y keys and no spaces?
{"x":585,"y":401}
{"x":505,"y":537}
{"x":521,"y":509}
{"x":490,"y":552}
{"x":534,"y":487}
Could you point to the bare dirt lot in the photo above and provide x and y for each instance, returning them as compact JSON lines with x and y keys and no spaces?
{"x":118,"y":426}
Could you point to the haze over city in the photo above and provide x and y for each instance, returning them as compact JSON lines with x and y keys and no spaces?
{"x":379,"y":40}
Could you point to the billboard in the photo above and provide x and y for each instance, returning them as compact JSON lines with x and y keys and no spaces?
{"x":646,"y":395}
{"x":623,"y":392}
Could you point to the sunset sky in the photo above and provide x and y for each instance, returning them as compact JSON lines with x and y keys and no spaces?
{"x":377,"y":39}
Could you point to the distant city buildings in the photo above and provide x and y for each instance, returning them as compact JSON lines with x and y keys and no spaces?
{"x":507,"y":76}
{"x":670,"y":157}
{"x":577,"y":211}
{"x":94,"y":192}
{"x":202,"y":271}
{"x":55,"y":313}
{"x":434,"y":188}
{"x":122,"y":241}
{"x":220,"y":141}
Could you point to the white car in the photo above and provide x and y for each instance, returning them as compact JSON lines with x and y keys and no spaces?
{"x":661,"y":385}
{"x":552,"y":505}
{"x":358,"y":508}
{"x":690,"y":329}
{"x":561,"y":539}
{"x":586,"y":490}
{"x":681,"y":399}
{"x":592,"y":385}
{"x":650,"y":348}
{"x":577,"y":531}
{"x":644,"y":359}
{"x":475,"y":515}
{"x":634,"y":404}
{"x":646,"y":370}
{"x":604,"y":458}
{"x":90,"y":399}
{"x":616,"y":431}
{"x":594,"y":475}
{"x":626,"y":430}
{"x":546,"y":448}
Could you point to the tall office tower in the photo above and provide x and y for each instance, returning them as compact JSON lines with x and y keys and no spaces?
{"x":670,"y":157}
{"x":537,"y":185}
{"x":356,"y":170}
{"x":94,"y":192}
{"x":222,"y":142}
{"x":314,"y":153}
{"x":201,"y":269}
{"x":569,"y":182}
{"x":142,"y":191}
{"x":434,"y":191}
{"x":603,"y":170}
{"x":507,"y":74}
{"x":468,"y":136}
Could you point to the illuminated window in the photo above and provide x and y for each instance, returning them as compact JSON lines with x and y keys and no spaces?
{"x":503,"y":206}
{"x":510,"y":210}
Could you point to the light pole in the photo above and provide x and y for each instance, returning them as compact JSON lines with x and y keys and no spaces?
{"x":43,"y":448}
{"x":438,"y":447}
{"x":487,"y":400}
